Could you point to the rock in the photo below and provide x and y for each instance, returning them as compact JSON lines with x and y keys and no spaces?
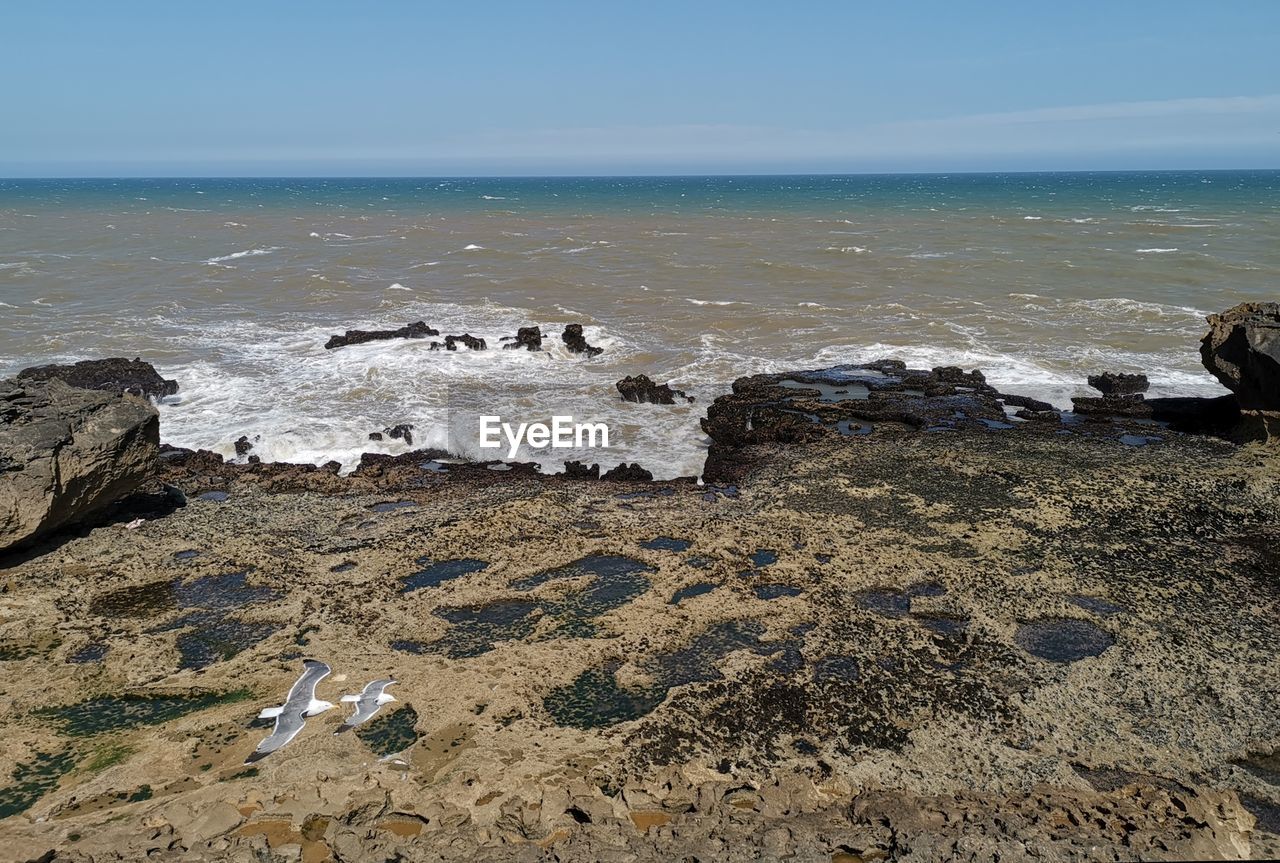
{"x":416,"y":330}
{"x":403,"y":431}
{"x":628,"y":473}
{"x":1026,"y":402}
{"x":67,"y":452}
{"x":578,"y":470}
{"x":243,"y":445}
{"x":1242,"y":350}
{"x":1133,"y":406}
{"x":1192,"y":415}
{"x":641,"y":389}
{"x":577,"y":343}
{"x":451,"y":343}
{"x":525,"y":337}
{"x":375,"y":435}
{"x":1119,"y":383}
{"x":112,"y":375}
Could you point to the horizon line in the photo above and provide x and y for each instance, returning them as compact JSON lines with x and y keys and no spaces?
{"x":639,"y":175}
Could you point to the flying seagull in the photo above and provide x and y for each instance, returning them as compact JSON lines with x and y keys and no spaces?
{"x":367,"y":703}
{"x":300,"y":703}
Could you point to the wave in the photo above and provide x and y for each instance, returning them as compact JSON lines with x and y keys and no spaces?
{"x":472,"y":247}
{"x":857,"y":250}
{"x":716,"y":302}
{"x":235,"y":256}
{"x":1153,"y":251}
{"x":396,"y":286}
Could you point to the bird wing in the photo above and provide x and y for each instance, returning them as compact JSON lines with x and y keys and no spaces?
{"x":288,"y":724}
{"x":303,"y":691}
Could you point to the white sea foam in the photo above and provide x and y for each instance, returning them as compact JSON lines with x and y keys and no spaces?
{"x":1033,"y":218}
{"x":857,"y":250}
{"x":1153,"y":251}
{"x":235,"y":256}
{"x":396,"y":286}
{"x":471,"y":247}
{"x":715,"y":302}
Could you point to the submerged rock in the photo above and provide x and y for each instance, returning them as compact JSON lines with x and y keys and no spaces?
{"x":67,"y":452}
{"x":450,"y":343}
{"x":115,"y":374}
{"x":416,"y":330}
{"x":529,"y":338}
{"x":576,"y":342}
{"x":403,"y":431}
{"x":642,"y":389}
{"x":1242,"y":350}
{"x":243,"y":445}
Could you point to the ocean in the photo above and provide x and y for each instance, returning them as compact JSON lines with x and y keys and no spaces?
{"x":232,"y":286}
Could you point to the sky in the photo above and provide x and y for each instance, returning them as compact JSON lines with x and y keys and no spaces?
{"x":410,"y":87}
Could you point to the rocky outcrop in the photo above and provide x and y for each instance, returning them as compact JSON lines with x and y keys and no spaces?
{"x":1242,"y":350}
{"x":627,"y":473}
{"x":529,"y":338}
{"x":243,"y":445}
{"x":642,"y":389}
{"x":416,"y":330}
{"x":1119,"y":383}
{"x":66,"y":453}
{"x":470,"y":342}
{"x":576,"y":342}
{"x":403,"y":431}
{"x":115,"y":374}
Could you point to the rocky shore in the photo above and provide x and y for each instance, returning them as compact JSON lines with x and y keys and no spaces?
{"x":905,"y":616}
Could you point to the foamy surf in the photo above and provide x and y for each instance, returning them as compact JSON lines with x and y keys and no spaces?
{"x":235,"y":256}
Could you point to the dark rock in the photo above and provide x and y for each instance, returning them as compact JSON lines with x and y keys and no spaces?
{"x":1191,"y":415}
{"x":1133,"y":406}
{"x":1030,"y":404}
{"x":466,"y":340}
{"x":417,"y":330}
{"x":578,"y":470}
{"x":1119,"y":383}
{"x":403,"y":431}
{"x":243,"y":445}
{"x":641,"y":389}
{"x":628,"y":473}
{"x":1242,"y":350}
{"x":577,"y":343}
{"x":375,"y":435}
{"x":67,"y":452}
{"x":112,"y":375}
{"x":525,"y":337}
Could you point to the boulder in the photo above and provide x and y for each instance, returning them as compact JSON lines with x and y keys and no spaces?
{"x":1242,"y":350}
{"x":66,"y":453}
{"x":115,"y":374}
{"x":525,"y":337}
{"x":1119,"y":383}
{"x":416,"y":330}
{"x":243,"y":445}
{"x":578,"y":470}
{"x":403,"y":431}
{"x":576,"y":342}
{"x":642,"y":389}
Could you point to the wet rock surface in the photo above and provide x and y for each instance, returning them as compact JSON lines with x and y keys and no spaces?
{"x":416,"y":330}
{"x":68,"y":453}
{"x":576,"y":342}
{"x":641,"y":388}
{"x":468,"y":341}
{"x":834,"y":656}
{"x":529,"y":338}
{"x":117,"y":375}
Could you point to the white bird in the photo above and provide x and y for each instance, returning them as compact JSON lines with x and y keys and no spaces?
{"x":300,"y":703}
{"x":367,"y":703}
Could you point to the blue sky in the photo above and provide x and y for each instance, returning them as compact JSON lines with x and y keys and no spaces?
{"x":388,"y":87}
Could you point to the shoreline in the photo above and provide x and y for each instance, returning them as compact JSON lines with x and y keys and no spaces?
{"x":910,"y":643}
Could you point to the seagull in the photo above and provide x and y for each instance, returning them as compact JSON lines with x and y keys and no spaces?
{"x":367,"y":703}
{"x":300,"y":703}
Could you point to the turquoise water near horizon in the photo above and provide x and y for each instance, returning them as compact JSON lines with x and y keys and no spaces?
{"x":232,"y":286}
